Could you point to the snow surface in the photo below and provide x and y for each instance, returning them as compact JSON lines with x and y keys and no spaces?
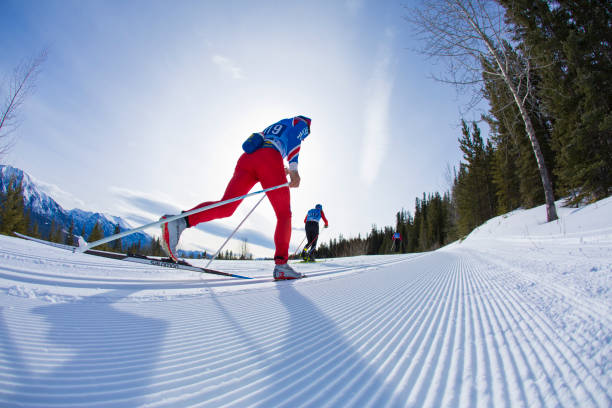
{"x":517,"y":314}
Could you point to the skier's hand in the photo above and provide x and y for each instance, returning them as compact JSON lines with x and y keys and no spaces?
{"x":295,"y":178}
{"x":327,"y":226}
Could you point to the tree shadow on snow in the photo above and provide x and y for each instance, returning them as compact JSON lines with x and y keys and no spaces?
{"x":98,"y":355}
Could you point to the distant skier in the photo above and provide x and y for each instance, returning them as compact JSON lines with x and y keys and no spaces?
{"x":397,"y":241}
{"x":262,"y":161}
{"x":312,"y":231}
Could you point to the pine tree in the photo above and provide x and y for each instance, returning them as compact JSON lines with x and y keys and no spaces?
{"x":116,"y":245}
{"x":96,"y":234}
{"x":70,"y":239}
{"x":55,"y":232}
{"x":156,"y":248}
{"x":12,"y":210}
{"x":134,"y":248}
{"x":33,"y":229}
{"x":573,"y":43}
{"x":473,"y":189}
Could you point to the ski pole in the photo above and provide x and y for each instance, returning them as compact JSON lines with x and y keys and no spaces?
{"x":308,"y":245}
{"x":175,"y":217}
{"x":298,"y":247}
{"x":232,"y":234}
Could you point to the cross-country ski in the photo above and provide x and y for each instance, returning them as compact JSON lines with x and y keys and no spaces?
{"x":156,"y":261}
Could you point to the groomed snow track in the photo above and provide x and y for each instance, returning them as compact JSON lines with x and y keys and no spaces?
{"x":456,"y":327}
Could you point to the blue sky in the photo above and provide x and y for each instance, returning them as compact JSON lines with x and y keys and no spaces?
{"x":142,"y":106}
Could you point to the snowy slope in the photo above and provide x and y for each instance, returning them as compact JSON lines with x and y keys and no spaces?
{"x":518,"y":314}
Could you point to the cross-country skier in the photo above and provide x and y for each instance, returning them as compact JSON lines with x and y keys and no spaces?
{"x":262,"y":161}
{"x":313,"y":216}
{"x":397,"y":241}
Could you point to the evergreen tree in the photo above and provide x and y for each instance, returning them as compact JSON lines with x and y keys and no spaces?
{"x":473,"y":189}
{"x":55,"y":233}
{"x":116,"y":245}
{"x":96,"y":234}
{"x":70,"y":239}
{"x":573,"y":42}
{"x":134,"y":248}
{"x":12,"y":210}
{"x":374,"y":241}
{"x":156,"y":248}
{"x":33,"y":229}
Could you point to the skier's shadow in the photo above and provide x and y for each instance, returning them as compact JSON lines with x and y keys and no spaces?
{"x":103,"y":346}
{"x":327,"y":357}
{"x":300,"y":365}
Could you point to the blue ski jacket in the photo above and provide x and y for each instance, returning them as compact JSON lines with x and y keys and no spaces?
{"x":286,"y":136}
{"x":315,"y":215}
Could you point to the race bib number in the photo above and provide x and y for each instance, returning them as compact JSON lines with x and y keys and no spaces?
{"x":275,"y":130}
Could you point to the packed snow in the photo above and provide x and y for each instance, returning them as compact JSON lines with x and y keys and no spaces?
{"x":517,"y":314}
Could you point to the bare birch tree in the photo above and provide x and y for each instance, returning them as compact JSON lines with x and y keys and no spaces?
{"x":463,"y":34}
{"x":20,"y":85}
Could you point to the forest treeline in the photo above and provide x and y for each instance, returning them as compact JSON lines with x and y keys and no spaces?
{"x":561,"y":62}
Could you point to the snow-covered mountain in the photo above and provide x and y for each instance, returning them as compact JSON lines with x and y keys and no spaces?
{"x":34,"y":199}
{"x":45,"y":210}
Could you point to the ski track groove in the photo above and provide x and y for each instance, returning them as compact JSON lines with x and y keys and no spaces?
{"x":495,"y":384}
{"x":588,"y":308}
{"x":408,"y":308}
{"x":509,"y":361}
{"x":322,"y":357}
{"x":448,"y":354}
{"x":523,"y":359}
{"x":549,"y":342}
{"x":353,"y":338}
{"x":421,"y":344}
{"x":441,"y":329}
{"x":546,"y":328}
{"x":436,"y":333}
{"x":389,"y":346}
{"x":384,"y":353}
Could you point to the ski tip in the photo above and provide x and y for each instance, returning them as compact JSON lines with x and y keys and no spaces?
{"x":242,"y":277}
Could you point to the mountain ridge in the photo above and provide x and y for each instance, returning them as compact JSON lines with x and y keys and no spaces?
{"x":46,"y":212}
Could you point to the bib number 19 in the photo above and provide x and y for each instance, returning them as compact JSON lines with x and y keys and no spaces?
{"x":275,"y":129}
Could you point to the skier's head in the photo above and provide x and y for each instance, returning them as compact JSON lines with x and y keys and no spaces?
{"x":319,"y":207}
{"x":306,"y":120}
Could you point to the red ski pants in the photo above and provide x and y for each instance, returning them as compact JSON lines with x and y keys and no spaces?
{"x":266,"y":166}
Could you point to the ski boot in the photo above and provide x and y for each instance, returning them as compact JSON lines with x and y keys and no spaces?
{"x":286,"y":272}
{"x":171,"y":233}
